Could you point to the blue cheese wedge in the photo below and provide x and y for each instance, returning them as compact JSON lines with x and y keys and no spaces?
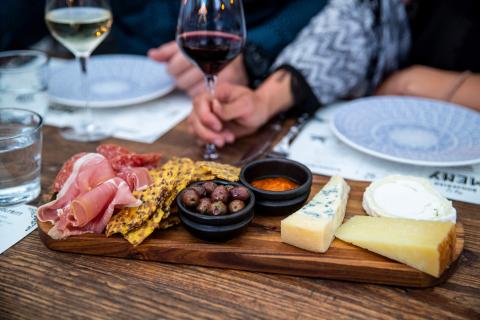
{"x":313,"y":226}
{"x":407,"y":197}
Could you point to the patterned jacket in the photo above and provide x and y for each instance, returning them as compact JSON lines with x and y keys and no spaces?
{"x":349,"y":47}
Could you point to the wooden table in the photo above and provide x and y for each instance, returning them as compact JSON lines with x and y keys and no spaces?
{"x":37,"y":283}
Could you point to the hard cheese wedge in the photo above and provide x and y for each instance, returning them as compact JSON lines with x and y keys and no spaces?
{"x":313,"y":226}
{"x":424,"y":245}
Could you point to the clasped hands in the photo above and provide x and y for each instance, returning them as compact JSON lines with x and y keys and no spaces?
{"x":235,"y":111}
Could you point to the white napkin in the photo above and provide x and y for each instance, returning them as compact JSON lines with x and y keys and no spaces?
{"x":145,"y":122}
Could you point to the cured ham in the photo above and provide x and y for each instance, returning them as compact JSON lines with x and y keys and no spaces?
{"x":91,"y":211}
{"x":90,"y":186}
{"x":88,"y":171}
{"x":120,"y":158}
{"x":137,"y":178}
{"x":65,"y":172}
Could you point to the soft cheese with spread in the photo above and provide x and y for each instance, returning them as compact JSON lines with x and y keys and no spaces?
{"x":313,"y":226}
{"x":407,"y":197}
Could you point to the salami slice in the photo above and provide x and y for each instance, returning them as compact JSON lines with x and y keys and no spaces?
{"x":148,"y":160}
{"x":111,"y":151}
{"x":120,"y":158}
{"x":65,"y":171}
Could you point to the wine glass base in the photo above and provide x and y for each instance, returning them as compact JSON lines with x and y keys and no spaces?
{"x":90,"y":133}
{"x":210,"y":152}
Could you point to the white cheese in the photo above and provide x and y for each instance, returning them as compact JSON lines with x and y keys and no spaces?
{"x":313,"y":226}
{"x":407,"y":197}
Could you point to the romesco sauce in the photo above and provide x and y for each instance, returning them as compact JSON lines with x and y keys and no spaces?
{"x":275,"y":184}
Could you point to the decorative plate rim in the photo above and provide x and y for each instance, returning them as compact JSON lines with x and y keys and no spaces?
{"x":389,"y":157}
{"x":112,"y":103}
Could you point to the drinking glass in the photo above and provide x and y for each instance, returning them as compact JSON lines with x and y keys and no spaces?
{"x":23,"y":80}
{"x":20,"y":155}
{"x":211,"y":33}
{"x":80,"y":25}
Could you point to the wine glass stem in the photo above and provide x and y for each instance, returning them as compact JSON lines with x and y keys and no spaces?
{"x":210,"y":152}
{"x":211,"y":82}
{"x":88,"y":118}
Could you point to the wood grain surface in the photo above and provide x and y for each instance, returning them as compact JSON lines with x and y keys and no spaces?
{"x":260,"y":249}
{"x":38,"y":283}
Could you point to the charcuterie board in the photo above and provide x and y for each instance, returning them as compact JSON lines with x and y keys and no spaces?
{"x":260,"y":249}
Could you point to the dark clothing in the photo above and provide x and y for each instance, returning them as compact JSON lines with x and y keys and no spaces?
{"x":143,"y":24}
{"x":21,"y":23}
{"x":446,"y":34}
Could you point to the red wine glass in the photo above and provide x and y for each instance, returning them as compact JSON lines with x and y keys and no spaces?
{"x":211,"y":33}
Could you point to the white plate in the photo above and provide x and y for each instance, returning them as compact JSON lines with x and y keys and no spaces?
{"x":113,"y":81}
{"x":410,"y":130}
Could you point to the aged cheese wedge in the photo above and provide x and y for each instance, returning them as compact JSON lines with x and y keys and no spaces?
{"x":424,"y":245}
{"x":407,"y":197}
{"x":313,"y":226}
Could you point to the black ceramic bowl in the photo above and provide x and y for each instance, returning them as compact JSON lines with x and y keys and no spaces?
{"x":223,"y":220}
{"x":215,"y":233}
{"x":278,"y":202}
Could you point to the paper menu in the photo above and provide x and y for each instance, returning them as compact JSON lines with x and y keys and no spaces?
{"x":15,"y":223}
{"x":323,"y":153}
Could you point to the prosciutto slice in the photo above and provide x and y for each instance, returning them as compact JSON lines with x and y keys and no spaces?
{"x":91,"y":211}
{"x":90,"y":186}
{"x":65,"y":172}
{"x":88,"y":171}
{"x":136,"y":178}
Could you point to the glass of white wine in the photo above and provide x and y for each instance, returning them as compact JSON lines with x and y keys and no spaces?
{"x":80,"y":25}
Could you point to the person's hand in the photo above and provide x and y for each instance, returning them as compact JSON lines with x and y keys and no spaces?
{"x":188,"y":77}
{"x":236,"y":111}
{"x":419,"y":81}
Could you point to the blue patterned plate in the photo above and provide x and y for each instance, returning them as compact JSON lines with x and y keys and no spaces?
{"x":410,"y":130}
{"x":113,"y":80}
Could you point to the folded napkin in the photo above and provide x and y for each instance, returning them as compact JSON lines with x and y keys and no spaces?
{"x":144,"y":122}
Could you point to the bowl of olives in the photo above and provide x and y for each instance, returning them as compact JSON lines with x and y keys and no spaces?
{"x":216,"y":210}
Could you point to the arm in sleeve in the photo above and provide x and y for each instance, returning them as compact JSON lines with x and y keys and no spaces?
{"x":280,"y":29}
{"x":334,"y":52}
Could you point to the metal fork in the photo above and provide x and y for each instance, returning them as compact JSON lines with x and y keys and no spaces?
{"x":282,"y":149}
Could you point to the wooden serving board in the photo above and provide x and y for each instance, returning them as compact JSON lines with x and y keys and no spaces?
{"x":260,"y":249}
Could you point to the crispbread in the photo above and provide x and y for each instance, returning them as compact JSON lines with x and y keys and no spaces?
{"x":136,"y":224}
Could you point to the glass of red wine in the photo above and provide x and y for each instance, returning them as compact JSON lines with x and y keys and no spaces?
{"x":211,"y":33}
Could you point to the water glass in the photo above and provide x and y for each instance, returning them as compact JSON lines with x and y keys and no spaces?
{"x":23,"y":80}
{"x":20,"y":155}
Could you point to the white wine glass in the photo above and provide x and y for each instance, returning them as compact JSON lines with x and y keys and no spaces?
{"x":80,"y":26}
{"x":211,"y":33}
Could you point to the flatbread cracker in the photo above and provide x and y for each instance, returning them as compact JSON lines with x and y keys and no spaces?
{"x":219,"y":170}
{"x":130,"y":218}
{"x":136,"y":224}
{"x":153,"y":197}
{"x":178,"y":180}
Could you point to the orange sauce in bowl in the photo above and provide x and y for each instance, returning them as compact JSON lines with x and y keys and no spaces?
{"x":275,"y":184}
